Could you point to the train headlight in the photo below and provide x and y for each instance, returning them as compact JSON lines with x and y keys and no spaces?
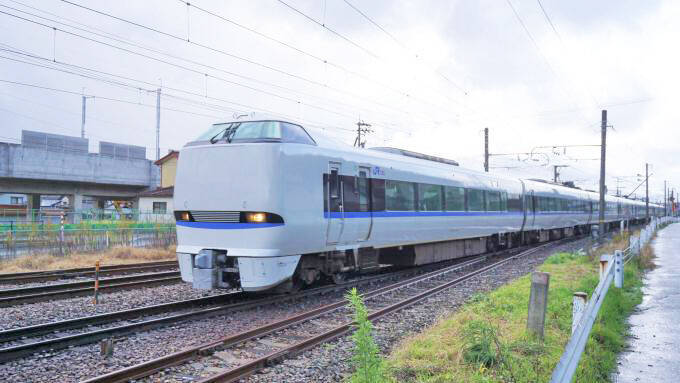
{"x":256,"y":217}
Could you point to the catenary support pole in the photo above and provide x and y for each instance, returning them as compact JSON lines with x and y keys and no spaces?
{"x":158,"y":124}
{"x":603,"y":152}
{"x":647,"y":191}
{"x":82,"y":124}
{"x":486,"y":150}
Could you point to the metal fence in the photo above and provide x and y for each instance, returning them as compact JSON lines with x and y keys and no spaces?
{"x":22,"y":216}
{"x":62,"y":242}
{"x":612,"y":271}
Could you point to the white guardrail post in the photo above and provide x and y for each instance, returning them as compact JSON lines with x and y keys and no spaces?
{"x":618,"y":269}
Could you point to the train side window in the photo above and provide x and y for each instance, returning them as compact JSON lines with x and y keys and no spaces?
{"x":455,"y":198}
{"x":504,"y":201}
{"x":475,"y":200}
{"x":429,"y":197}
{"x":493,"y":200}
{"x":399,"y":196}
{"x":334,"y":184}
{"x":514,"y":202}
{"x":362,"y":185}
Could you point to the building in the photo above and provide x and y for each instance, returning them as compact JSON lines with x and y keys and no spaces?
{"x":156,"y":205}
{"x":168,"y":165}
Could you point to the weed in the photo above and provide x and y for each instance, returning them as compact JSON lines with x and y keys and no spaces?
{"x":366,"y":358}
{"x":481,"y":344}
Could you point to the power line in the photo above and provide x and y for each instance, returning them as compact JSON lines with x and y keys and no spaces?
{"x":323,"y":25}
{"x":402,"y":45}
{"x":333,"y":31}
{"x":559,"y":37}
{"x":141,"y":46}
{"x":185,"y":68}
{"x":545,"y":14}
{"x":135,"y":87}
{"x":249,"y":61}
{"x":538,"y":49}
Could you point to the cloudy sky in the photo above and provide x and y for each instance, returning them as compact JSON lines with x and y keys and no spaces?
{"x":428,"y":75}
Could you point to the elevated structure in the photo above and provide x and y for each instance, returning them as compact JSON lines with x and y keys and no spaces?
{"x":52,"y":164}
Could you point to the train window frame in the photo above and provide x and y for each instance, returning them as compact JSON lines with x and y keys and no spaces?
{"x":390,"y":199}
{"x":420,"y":198}
{"x":492,"y":197}
{"x":482,"y":202}
{"x":447,"y":204}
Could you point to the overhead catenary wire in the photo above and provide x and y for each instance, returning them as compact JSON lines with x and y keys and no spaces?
{"x":539,"y":50}
{"x":164,"y":95}
{"x":402,"y":45}
{"x":241,"y":58}
{"x":295,"y":101}
{"x":199,"y":72}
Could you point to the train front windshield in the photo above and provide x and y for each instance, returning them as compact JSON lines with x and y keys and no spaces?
{"x":257,"y":131}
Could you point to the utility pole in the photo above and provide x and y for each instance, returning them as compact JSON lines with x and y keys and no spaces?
{"x":647,"y":190}
{"x":603,"y":152}
{"x":486,"y":150}
{"x":556,"y":173}
{"x":665,"y":198}
{"x":158,"y":124}
{"x":82,"y":124}
{"x":362,"y":127}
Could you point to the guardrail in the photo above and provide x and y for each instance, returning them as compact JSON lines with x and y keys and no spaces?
{"x":611,"y":270}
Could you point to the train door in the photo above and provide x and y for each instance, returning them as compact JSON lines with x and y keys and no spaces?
{"x":334,"y":204}
{"x":356,"y":203}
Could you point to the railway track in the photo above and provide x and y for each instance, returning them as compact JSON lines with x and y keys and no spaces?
{"x":218,"y":304}
{"x":11,"y":297}
{"x":110,"y":270}
{"x":288,"y":337}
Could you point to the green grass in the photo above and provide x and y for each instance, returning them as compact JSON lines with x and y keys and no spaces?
{"x":487,"y":341}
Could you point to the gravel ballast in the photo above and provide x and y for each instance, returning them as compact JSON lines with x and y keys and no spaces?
{"x":328,"y":363}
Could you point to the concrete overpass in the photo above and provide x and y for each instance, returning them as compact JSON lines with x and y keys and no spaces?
{"x":51,"y":164}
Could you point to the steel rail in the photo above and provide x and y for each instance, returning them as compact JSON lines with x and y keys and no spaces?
{"x":152,"y":366}
{"x":14,"y":352}
{"x":36,"y":278}
{"x":84,"y":269}
{"x":297,"y":348}
{"x":69,"y":290}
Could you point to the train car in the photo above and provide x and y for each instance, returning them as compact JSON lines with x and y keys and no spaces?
{"x":263,"y":204}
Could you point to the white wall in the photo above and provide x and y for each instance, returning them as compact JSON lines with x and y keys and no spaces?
{"x":146,"y":208}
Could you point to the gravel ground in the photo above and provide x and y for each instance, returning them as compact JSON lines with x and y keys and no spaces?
{"x":330,"y":362}
{"x":44,"y":312}
{"x":327,"y":363}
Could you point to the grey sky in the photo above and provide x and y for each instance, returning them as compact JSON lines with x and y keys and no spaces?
{"x":476,"y":67}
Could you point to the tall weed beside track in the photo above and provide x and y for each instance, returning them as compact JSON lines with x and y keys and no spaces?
{"x":366,"y":356}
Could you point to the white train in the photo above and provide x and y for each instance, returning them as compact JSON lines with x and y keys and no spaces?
{"x":262,"y":204}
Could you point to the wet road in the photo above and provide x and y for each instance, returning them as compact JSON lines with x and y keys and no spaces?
{"x":654,"y":352}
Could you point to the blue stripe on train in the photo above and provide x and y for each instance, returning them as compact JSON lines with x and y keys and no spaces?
{"x":226,"y":225}
{"x":390,"y":214}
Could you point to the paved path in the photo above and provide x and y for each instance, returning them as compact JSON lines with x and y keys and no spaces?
{"x":654,"y":352}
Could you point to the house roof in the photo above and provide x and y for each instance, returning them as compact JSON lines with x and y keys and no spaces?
{"x":171,"y":154}
{"x":158,"y":192}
